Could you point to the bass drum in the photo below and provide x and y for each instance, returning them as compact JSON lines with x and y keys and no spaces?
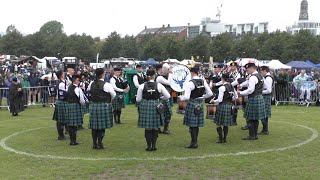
{"x":211,"y":111}
{"x":181,"y":106}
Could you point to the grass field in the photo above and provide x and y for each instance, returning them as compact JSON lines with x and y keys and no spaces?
{"x":125,"y":157}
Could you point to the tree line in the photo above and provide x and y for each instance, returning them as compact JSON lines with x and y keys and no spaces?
{"x":51,"y":40}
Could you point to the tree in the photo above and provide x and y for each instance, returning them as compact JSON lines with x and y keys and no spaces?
{"x":81,"y":46}
{"x":198,"y":47}
{"x":12,"y":42}
{"x":221,"y":47}
{"x":112,"y":46}
{"x":129,"y":47}
{"x":246,"y":44}
{"x":274,"y":46}
{"x":52,"y":28}
{"x":172,"y":47}
{"x":152,"y":49}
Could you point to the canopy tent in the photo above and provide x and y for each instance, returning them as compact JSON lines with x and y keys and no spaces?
{"x":317,"y":65}
{"x":150,"y":62}
{"x":244,"y":61}
{"x":310,"y":63}
{"x":189,"y":63}
{"x":276,"y":64}
{"x":172,"y":61}
{"x":299,"y":65}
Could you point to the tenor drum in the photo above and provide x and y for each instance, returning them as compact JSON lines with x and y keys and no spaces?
{"x":181,"y":107}
{"x":211,"y":111}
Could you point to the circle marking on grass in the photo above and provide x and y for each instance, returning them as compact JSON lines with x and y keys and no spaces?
{"x":10,"y":149}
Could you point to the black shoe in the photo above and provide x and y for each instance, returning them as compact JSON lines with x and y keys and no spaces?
{"x":62,"y":138}
{"x":264,"y":133}
{"x":192,"y":146}
{"x":154,"y":149}
{"x":166,"y":131}
{"x":95,"y":147}
{"x":74,"y":143}
{"x":148,"y":149}
{"x":100,"y":146}
{"x":249,"y":138}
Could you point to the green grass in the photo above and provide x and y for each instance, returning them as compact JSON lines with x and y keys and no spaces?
{"x":127,"y":141}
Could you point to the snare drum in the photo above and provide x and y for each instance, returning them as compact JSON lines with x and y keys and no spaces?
{"x":211,"y":111}
{"x":181,"y":107}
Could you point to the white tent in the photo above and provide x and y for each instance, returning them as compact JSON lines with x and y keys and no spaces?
{"x":172,"y":61}
{"x":188,"y":63}
{"x":276,"y":64}
{"x":244,"y":61}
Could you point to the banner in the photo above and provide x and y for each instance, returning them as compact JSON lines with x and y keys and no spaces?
{"x":179,"y":78}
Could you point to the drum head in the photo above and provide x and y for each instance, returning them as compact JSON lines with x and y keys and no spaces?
{"x":179,"y":78}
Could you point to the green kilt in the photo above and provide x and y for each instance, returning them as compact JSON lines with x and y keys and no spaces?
{"x":149,"y":117}
{"x":267,"y":105}
{"x":60,"y":114}
{"x":224,"y":115}
{"x":166,"y":116}
{"x":255,"y":109}
{"x":117,"y":103}
{"x":85,"y":108}
{"x":190,"y":118}
{"x":101,"y":116}
{"x":74,"y":114}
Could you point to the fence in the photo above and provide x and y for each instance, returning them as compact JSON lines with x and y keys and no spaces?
{"x":31,"y":96}
{"x":303,"y":93}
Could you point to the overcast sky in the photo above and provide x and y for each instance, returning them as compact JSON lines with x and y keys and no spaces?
{"x":100,"y":17}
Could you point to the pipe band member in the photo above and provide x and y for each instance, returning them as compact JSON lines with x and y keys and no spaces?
{"x":139,"y":78}
{"x":148,"y":97}
{"x":197,"y":90}
{"x":75,"y":99}
{"x":101,"y":117}
{"x":224,"y":116}
{"x":60,"y":115}
{"x":267,"y":96}
{"x":255,"y":108}
{"x":120,"y":87}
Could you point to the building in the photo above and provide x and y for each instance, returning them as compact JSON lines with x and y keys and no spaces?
{"x":178,"y":31}
{"x":304,"y":22}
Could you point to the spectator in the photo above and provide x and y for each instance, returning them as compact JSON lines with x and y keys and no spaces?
{"x":44,"y":90}
{"x":300,"y":83}
{"x":26,"y":87}
{"x":2,"y":86}
{"x":8,"y":84}
{"x":282,"y":79}
{"x":34,"y":82}
{"x":16,"y":97}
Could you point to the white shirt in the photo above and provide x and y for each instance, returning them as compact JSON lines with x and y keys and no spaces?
{"x":113,"y":84}
{"x":160,"y":87}
{"x":162,"y":80}
{"x":267,"y":84}
{"x":107,"y":87}
{"x":191,"y":87}
{"x":135,"y":80}
{"x":81,"y":96}
{"x":253,"y":80}
{"x":218,"y":83}
{"x":62,"y":87}
{"x":222,"y":89}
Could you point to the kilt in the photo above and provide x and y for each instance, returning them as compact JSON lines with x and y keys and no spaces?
{"x":85,"y":108}
{"x":74,"y":114}
{"x":149,"y":118}
{"x":267,"y":105}
{"x":101,"y":116}
{"x":60,"y":114}
{"x":166,"y":116}
{"x":224,"y":115}
{"x":115,"y":102}
{"x":255,"y":109}
{"x":190,"y":118}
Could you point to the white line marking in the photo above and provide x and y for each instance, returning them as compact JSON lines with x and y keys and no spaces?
{"x":4,"y":146}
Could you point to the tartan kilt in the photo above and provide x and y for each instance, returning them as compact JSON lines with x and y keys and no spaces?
{"x":166,"y":116}
{"x":85,"y":108}
{"x":190,"y":118}
{"x":255,"y":109}
{"x":267,"y":105}
{"x":74,"y":114}
{"x":224,"y":115}
{"x":149,"y":117}
{"x":60,"y":114}
{"x":101,"y":116}
{"x":115,"y":102}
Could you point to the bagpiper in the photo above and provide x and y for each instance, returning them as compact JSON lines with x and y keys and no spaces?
{"x":120,"y":87}
{"x":100,"y":108}
{"x":75,"y":99}
{"x":224,"y":116}
{"x":196,"y":91}
{"x":267,"y":96}
{"x":255,"y":108}
{"x":139,"y":78}
{"x":148,"y":97}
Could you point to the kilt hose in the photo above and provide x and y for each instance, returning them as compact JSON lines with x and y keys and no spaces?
{"x":166,"y":116}
{"x":118,"y":104}
{"x":190,"y":118}
{"x":74,"y":114}
{"x":255,"y":108}
{"x":267,"y":105}
{"x":149,"y":118}
{"x":224,"y":115}
{"x":60,"y":114}
{"x":101,"y":116}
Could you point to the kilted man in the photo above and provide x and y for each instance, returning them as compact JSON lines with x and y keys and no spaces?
{"x":70,"y":73}
{"x":139,"y":78}
{"x":100,"y":108}
{"x":224,"y":115}
{"x":148,"y":96}
{"x":233,"y":77}
{"x":120,"y":87}
{"x":166,"y":116}
{"x":197,"y":90}
{"x":267,"y":96}
{"x":60,"y":114}
{"x":75,"y":99}
{"x":255,"y":108}
{"x":16,"y":97}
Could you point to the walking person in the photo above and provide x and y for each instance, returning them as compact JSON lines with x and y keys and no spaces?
{"x":16,"y":97}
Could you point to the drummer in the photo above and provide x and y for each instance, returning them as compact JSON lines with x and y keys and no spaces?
{"x":197,"y":90}
{"x":224,"y":115}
